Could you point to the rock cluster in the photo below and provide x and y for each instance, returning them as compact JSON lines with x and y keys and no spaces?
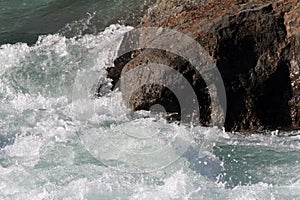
{"x":255,"y":46}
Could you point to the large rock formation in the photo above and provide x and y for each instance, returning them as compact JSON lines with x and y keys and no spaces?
{"x":255,"y":45}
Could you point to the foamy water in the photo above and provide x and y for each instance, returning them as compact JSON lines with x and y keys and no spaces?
{"x":58,"y":142}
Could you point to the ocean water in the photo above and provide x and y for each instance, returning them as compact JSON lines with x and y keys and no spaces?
{"x":59,"y":142}
{"x":24,"y":21}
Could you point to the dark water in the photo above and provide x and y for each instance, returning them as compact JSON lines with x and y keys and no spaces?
{"x":24,"y":21}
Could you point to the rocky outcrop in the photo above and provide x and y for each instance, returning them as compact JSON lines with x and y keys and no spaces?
{"x":255,"y":46}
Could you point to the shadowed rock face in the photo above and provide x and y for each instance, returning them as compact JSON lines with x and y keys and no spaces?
{"x":255,"y":45}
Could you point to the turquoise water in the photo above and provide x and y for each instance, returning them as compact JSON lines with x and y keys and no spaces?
{"x":58,"y":142}
{"x":24,"y":21}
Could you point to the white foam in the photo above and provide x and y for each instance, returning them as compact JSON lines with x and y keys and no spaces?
{"x":46,"y":160}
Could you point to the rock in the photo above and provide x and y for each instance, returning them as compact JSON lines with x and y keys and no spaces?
{"x":255,"y":46}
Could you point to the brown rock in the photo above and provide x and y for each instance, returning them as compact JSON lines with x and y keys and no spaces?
{"x":255,"y":45}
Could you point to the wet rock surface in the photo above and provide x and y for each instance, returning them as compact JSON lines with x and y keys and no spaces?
{"x":255,"y":46}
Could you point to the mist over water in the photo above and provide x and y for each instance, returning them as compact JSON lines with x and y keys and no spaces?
{"x":47,"y":139}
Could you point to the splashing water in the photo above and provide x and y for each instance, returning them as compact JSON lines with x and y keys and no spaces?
{"x":44,"y":154}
